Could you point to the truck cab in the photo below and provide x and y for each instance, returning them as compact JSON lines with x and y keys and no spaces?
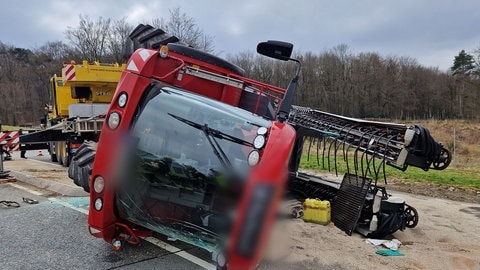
{"x":190,"y":149}
{"x":75,"y":112}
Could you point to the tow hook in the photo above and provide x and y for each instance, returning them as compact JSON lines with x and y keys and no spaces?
{"x":116,"y":244}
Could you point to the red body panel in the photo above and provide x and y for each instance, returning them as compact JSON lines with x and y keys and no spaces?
{"x":107,"y":151}
{"x":272,"y":170}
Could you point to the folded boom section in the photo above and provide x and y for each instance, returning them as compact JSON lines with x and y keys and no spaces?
{"x":365,"y":146}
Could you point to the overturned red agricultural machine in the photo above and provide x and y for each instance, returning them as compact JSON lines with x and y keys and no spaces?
{"x":192,"y":149}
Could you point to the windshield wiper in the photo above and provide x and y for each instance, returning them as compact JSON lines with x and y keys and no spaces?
{"x":213,"y":132}
{"x":211,"y":135}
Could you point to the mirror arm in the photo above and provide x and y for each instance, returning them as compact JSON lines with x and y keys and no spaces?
{"x":287,"y":101}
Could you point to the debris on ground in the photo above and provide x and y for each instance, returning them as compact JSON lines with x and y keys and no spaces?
{"x":393,"y":244}
{"x":389,"y":252}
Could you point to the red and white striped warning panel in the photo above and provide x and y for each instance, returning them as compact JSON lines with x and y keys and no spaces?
{"x":69,"y":72}
{"x":138,"y":59}
{"x":10,"y":140}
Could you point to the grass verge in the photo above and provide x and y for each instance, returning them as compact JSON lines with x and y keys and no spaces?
{"x":451,"y":176}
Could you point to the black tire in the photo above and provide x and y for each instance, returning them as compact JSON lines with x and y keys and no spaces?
{"x":86,"y":158}
{"x":84,"y":178}
{"x":53,"y":154}
{"x":72,"y":170}
{"x":412,"y":216}
{"x":80,"y":151}
{"x":61,"y":153}
{"x":81,"y":165}
{"x":66,"y":160}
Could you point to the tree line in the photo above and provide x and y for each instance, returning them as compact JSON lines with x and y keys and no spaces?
{"x":365,"y":85}
{"x":368,"y":85}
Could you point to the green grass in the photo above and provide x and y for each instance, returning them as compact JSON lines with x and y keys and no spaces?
{"x":14,"y":128}
{"x":450,"y":176}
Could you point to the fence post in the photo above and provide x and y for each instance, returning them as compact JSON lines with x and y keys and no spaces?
{"x":3,"y":174}
{"x":454,"y":148}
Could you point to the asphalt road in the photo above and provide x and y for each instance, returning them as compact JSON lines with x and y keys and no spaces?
{"x":53,"y":235}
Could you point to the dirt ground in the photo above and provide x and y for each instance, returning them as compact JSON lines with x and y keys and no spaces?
{"x":446,"y":237}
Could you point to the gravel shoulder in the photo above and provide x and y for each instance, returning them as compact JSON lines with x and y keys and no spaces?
{"x":436,"y":190}
{"x":447,"y":236}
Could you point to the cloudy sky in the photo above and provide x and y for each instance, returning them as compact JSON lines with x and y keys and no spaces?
{"x":431,"y":31}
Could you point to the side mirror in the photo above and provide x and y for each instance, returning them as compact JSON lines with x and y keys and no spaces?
{"x":276,"y":49}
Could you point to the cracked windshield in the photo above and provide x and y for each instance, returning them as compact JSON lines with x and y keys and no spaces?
{"x":187,"y":178}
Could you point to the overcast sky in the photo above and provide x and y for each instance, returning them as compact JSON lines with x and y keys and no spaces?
{"x":431,"y":31}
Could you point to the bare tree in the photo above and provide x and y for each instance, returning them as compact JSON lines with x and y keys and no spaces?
{"x":245,"y":60}
{"x":185,"y":28}
{"x":18,"y":85}
{"x":117,"y":40}
{"x":47,"y":62}
{"x":55,"y":51}
{"x":90,"y":37}
{"x":369,"y":85}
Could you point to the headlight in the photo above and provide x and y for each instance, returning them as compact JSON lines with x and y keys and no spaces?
{"x":221,"y":260}
{"x":114,"y":120}
{"x":253,"y":158}
{"x":262,"y":131}
{"x":259,"y":141}
{"x":122,"y":100}
{"x":98,"y":184}
{"x":98,"y":204}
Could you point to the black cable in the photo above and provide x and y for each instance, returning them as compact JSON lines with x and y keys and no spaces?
{"x":12,"y":204}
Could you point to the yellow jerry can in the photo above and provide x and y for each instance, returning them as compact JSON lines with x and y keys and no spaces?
{"x":308,"y":210}
{"x":323,"y":212}
{"x":316,"y":211}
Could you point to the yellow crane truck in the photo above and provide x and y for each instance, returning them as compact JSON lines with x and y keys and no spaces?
{"x":78,"y":102}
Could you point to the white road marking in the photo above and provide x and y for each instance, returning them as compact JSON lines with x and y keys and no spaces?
{"x":157,"y":242}
{"x":179,"y":252}
{"x":26,"y":189}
